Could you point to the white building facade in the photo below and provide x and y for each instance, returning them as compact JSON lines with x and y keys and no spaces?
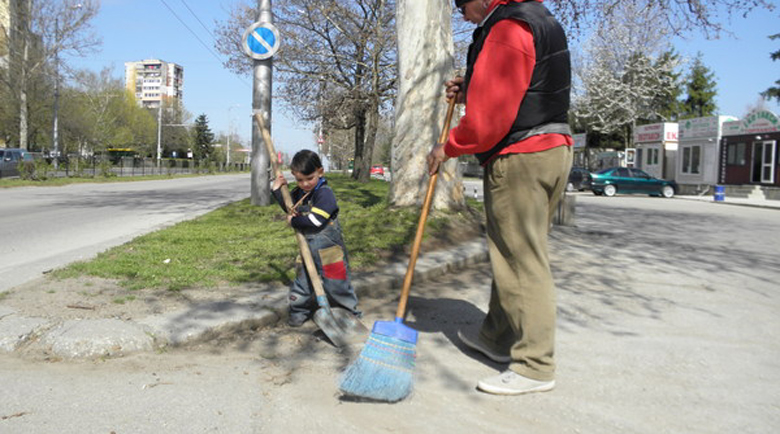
{"x":698,"y":155}
{"x":153,"y":80}
{"x":656,"y":149}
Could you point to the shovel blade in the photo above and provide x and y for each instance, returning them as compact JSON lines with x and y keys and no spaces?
{"x":354,"y":330}
{"x":340,"y":326}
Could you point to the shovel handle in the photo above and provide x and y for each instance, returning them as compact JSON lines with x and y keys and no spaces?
{"x":308,"y":261}
{"x":399,"y":314}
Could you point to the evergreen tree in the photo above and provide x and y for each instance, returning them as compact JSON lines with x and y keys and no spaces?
{"x":701,"y":89}
{"x":203,"y":138}
{"x":667,"y":104}
{"x":774,"y":91}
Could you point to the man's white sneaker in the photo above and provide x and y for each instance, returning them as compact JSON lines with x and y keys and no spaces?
{"x":512,"y":383}
{"x":471,"y":339}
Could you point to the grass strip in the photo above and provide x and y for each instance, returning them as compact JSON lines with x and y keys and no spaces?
{"x":241,"y":243}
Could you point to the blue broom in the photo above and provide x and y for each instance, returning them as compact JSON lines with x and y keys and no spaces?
{"x":384,"y":370}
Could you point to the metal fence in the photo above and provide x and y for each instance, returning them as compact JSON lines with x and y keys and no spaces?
{"x":131,"y":166}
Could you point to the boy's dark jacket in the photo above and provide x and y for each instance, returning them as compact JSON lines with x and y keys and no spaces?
{"x":315,"y":211}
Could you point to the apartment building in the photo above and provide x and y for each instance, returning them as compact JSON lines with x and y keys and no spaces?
{"x":153,"y":80}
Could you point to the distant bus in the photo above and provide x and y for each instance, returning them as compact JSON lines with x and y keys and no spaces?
{"x":116,"y":154}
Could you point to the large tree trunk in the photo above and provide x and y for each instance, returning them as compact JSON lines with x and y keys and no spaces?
{"x":361,"y":162}
{"x":25,"y":16}
{"x":367,"y":127}
{"x":425,"y":62}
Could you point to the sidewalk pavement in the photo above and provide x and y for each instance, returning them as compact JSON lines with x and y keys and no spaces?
{"x":741,"y":201}
{"x":110,"y":337}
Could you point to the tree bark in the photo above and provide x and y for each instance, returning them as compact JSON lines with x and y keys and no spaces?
{"x":26,"y":18}
{"x":361,"y":162}
{"x":425,"y":62}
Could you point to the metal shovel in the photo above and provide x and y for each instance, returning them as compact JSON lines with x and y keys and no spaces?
{"x":338,"y":324}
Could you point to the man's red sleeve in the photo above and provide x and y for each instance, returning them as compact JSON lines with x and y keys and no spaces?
{"x":501,"y":76}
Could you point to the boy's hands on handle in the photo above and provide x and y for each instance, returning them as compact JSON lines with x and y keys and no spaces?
{"x":279,"y":181}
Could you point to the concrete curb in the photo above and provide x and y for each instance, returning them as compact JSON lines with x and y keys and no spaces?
{"x":755,"y":203}
{"x":89,"y":339}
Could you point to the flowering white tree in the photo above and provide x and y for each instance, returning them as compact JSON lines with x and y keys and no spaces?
{"x":624,"y":71}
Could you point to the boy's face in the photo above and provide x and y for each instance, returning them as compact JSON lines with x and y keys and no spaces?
{"x":308,"y":182}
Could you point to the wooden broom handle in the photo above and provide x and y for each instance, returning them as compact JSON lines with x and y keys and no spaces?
{"x":399,"y":314}
{"x":308,"y":261}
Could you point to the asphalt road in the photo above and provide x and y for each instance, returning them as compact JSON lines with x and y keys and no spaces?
{"x":668,"y":319}
{"x":42,"y":228}
{"x":473,"y":188}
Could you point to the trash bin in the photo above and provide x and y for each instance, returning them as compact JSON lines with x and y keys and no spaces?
{"x":720,"y":193}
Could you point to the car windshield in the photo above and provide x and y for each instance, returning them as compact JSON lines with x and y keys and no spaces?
{"x":602,"y":172}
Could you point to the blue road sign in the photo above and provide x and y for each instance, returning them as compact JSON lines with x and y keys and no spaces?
{"x":261,"y":41}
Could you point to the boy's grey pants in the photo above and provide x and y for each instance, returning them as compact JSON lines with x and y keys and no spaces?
{"x":330,"y":257}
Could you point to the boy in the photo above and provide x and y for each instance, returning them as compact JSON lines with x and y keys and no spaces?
{"x":315,"y":216}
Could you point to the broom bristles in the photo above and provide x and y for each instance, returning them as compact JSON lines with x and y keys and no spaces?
{"x":384,"y":370}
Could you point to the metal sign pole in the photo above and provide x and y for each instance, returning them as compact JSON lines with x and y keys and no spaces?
{"x":261,"y":104}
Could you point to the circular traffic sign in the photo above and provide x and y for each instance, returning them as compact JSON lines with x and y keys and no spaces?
{"x":261,"y":41}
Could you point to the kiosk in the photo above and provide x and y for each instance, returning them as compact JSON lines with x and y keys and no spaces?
{"x":698,"y":155}
{"x":749,"y":153}
{"x":656,"y":149}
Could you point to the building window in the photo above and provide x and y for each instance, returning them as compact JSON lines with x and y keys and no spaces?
{"x":691,"y":159}
{"x":736,"y":154}
{"x":652,"y":156}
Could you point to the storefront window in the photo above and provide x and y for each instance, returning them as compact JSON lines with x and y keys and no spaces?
{"x":736,"y":154}
{"x":691,"y":159}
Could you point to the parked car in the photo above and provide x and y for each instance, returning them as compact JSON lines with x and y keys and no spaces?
{"x":629,"y":180}
{"x":471,"y":169}
{"x":377,"y":171}
{"x":10,"y":159}
{"x":579,"y":179}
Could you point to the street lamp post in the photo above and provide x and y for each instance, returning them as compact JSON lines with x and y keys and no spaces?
{"x":230,"y":132}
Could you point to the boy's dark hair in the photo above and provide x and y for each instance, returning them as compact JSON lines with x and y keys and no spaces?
{"x":305,"y":162}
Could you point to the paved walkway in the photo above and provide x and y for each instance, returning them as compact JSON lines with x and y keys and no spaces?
{"x":742,"y":201}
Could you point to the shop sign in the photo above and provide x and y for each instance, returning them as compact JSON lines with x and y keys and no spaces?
{"x":761,"y":121}
{"x":656,"y":133}
{"x":732,"y":128}
{"x":757,"y":122}
{"x":706,"y":127}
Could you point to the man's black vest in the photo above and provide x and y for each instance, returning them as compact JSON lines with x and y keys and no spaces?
{"x":546,"y":104}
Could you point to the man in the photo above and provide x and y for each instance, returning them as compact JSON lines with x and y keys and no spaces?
{"x":516,"y":92}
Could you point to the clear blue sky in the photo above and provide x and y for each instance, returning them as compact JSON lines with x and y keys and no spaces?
{"x":141,"y":29}
{"x":135,"y":30}
{"x":741,"y":63}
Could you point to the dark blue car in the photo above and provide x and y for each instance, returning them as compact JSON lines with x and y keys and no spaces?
{"x":627,"y":180}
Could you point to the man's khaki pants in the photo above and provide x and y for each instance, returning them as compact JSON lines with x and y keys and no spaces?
{"x":521,"y":194}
